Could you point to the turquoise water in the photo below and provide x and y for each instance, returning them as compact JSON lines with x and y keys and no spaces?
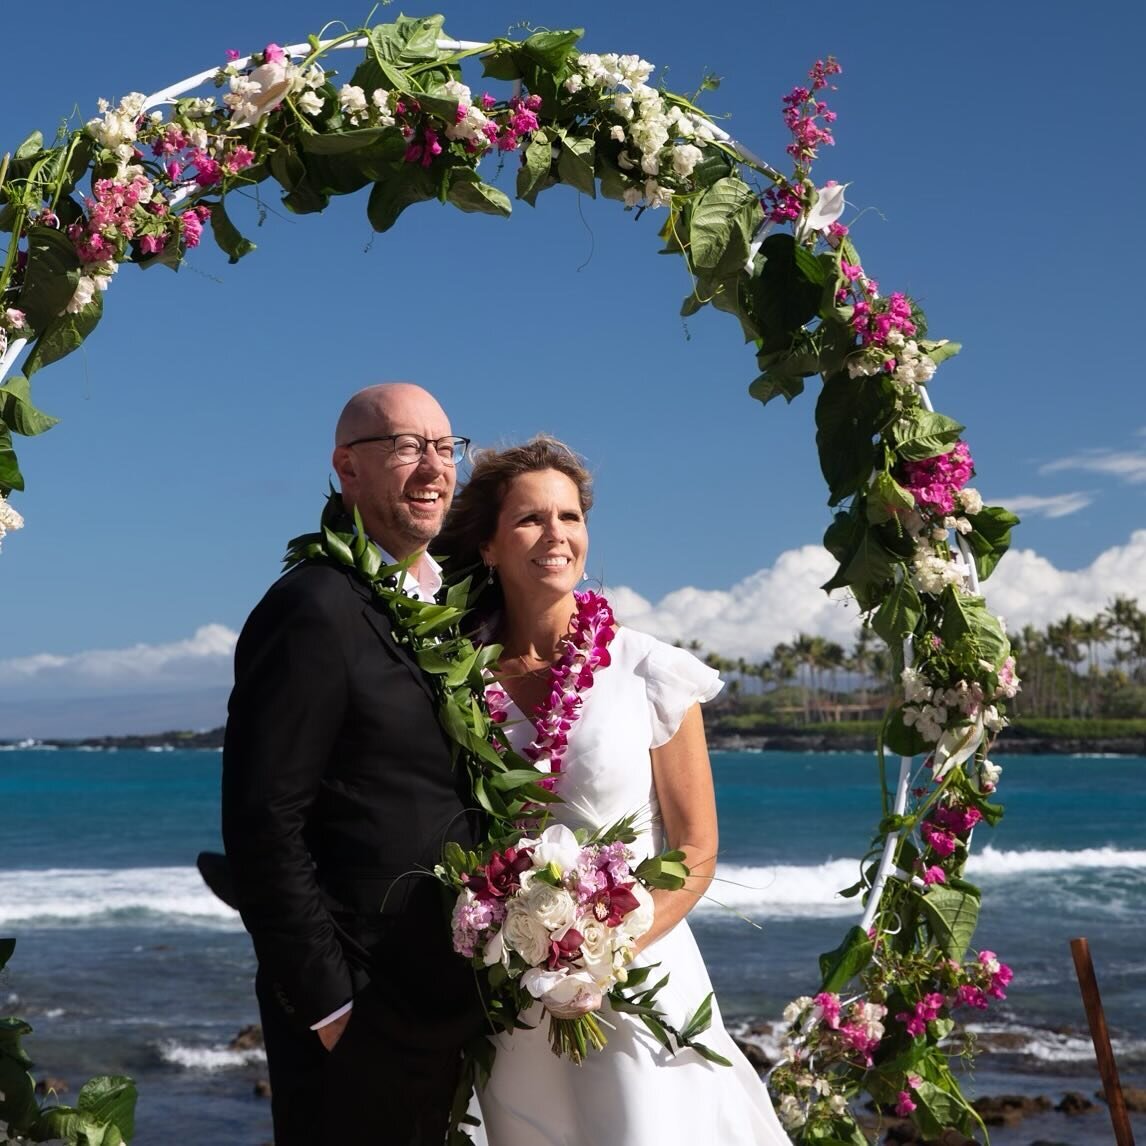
{"x":126,"y":963}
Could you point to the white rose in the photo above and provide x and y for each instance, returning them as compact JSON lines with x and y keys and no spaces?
{"x":525,"y":934}
{"x":552,"y":907}
{"x":574,"y":83}
{"x":597,"y":949}
{"x":496,"y":950}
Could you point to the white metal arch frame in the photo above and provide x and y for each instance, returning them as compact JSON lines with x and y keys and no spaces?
{"x":887,"y":867}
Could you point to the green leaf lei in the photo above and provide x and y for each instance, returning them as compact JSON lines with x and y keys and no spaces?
{"x":504,"y":785}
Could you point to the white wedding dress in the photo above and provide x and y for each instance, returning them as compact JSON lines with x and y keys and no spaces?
{"x":634,"y":1092}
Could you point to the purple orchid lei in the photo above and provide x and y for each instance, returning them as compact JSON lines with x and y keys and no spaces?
{"x":583,"y":652}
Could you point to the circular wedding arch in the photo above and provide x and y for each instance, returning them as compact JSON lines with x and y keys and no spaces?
{"x":912,"y":540}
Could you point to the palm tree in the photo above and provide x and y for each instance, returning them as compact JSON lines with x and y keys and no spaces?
{"x":1064,"y":639}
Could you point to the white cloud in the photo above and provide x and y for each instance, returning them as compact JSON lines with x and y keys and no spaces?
{"x":201,"y":659}
{"x":755,"y":615}
{"x":776,"y":603}
{"x":1057,"y":505}
{"x":1127,"y":465}
{"x":1028,"y":590}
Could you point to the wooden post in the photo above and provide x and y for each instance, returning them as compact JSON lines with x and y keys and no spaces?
{"x":1092,"y":1001}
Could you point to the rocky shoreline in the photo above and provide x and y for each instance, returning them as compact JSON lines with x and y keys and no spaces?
{"x":1008,"y":743}
{"x":1012,"y":741}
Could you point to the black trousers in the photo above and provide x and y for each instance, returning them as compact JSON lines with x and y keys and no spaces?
{"x":370,"y":1089}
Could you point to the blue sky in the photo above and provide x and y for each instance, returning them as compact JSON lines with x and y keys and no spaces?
{"x":993,"y":172}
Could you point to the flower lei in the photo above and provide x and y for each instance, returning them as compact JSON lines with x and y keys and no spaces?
{"x":583,"y":652}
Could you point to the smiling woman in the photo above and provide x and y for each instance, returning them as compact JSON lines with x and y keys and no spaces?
{"x":141,"y":182}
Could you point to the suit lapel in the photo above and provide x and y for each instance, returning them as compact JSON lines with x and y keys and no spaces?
{"x":379,"y":620}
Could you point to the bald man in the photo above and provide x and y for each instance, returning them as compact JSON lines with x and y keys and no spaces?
{"x":338,"y":796}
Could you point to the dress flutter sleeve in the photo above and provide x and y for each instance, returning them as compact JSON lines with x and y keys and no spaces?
{"x":674,"y":681}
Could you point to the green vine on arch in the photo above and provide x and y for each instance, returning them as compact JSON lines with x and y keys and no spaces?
{"x":141,"y":184}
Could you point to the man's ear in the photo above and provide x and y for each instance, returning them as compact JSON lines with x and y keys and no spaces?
{"x":343,"y":462}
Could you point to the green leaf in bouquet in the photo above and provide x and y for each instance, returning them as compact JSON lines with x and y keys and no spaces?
{"x":659,"y":1032}
{"x":708,"y":1053}
{"x":700,"y":1021}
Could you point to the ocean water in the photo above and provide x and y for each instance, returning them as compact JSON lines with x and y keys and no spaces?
{"x":125,"y":963}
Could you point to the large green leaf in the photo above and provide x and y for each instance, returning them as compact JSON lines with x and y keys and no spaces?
{"x":110,"y":1099}
{"x":63,"y":335}
{"x":849,"y":415}
{"x":533,"y":174}
{"x":227,"y":235}
{"x":575,"y":164}
{"x":968,"y":624}
{"x":18,"y":1107}
{"x":990,"y":537}
{"x":10,"y":476}
{"x":839,"y":967}
{"x":551,"y":49}
{"x":468,"y":193}
{"x":784,"y":297}
{"x":18,"y":413}
{"x":899,"y":613}
{"x":952,"y":911}
{"x":719,"y":231}
{"x":410,"y":183}
{"x":50,"y":278}
{"x":772,"y":385}
{"x":921,"y":434}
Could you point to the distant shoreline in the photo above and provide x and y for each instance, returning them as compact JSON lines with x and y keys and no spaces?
{"x":1069,"y":738}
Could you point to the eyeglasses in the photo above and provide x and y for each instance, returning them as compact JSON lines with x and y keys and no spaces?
{"x":410,"y":448}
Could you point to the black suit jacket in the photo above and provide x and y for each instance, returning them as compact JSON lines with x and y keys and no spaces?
{"x":338,"y":795}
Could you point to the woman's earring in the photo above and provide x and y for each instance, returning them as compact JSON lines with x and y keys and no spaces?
{"x":490,"y":578}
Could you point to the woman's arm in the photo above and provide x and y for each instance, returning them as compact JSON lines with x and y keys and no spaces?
{"x":682,"y":777}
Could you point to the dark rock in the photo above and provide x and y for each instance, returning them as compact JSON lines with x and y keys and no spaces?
{"x":49,"y":1085}
{"x":759,"y":1060}
{"x":262,"y":1088}
{"x":1134,"y":1097}
{"x":249,"y":1038}
{"x":1010,"y":1109}
{"x":906,"y":1133}
{"x":1074,"y":1103}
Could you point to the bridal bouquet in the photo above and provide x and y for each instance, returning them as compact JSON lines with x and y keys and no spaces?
{"x":554,"y":917}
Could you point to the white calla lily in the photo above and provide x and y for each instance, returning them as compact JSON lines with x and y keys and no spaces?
{"x":828,"y":207}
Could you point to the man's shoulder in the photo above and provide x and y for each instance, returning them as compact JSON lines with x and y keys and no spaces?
{"x":321,"y":585}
